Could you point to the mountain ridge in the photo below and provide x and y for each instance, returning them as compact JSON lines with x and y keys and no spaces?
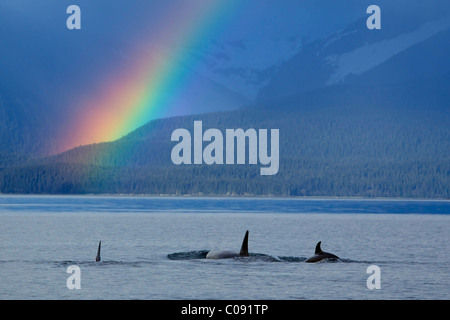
{"x":379,"y":130}
{"x":359,"y":52}
{"x":337,"y":141}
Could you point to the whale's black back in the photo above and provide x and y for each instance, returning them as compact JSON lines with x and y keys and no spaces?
{"x":320,"y":255}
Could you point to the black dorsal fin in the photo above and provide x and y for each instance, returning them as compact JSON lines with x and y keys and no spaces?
{"x":318,"y":249}
{"x":244,"y":248}
{"x":98,"y":258}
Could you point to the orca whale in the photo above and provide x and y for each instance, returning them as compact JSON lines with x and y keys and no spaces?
{"x":226,"y":254}
{"x":320,"y":255}
{"x":98,"y":258}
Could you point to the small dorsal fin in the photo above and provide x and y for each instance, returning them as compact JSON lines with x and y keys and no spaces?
{"x":98,"y":258}
{"x":318,"y":249}
{"x":244,"y":248}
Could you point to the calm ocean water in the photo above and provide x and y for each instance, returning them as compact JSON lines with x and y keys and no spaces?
{"x":154,"y":248}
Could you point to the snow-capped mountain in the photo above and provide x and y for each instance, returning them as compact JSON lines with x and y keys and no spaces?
{"x":246,"y":65}
{"x":405,"y":50}
{"x":368,"y":56}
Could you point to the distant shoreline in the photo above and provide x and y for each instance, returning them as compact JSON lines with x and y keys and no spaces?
{"x":201,"y":196}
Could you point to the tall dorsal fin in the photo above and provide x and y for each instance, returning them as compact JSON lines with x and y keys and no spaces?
{"x":318,"y":249}
{"x":244,"y":248}
{"x":98,"y":258}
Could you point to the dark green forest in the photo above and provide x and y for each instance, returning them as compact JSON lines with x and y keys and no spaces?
{"x":343,"y":141}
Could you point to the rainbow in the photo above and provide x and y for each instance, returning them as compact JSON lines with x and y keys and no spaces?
{"x":146,"y":86}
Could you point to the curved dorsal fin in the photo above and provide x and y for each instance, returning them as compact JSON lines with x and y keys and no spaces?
{"x":98,"y":258}
{"x":244,"y":248}
{"x":318,"y":249}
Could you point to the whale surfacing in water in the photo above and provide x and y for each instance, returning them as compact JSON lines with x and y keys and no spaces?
{"x":226,"y":254}
{"x":320,"y":255}
{"x":98,"y":258}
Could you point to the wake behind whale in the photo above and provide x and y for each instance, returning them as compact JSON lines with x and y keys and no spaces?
{"x":227,"y":254}
{"x":256,"y":257}
{"x":243,"y":253}
{"x":188,"y":255}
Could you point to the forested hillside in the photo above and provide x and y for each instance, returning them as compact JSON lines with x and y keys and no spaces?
{"x":360,"y":113}
{"x":345,"y":141}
